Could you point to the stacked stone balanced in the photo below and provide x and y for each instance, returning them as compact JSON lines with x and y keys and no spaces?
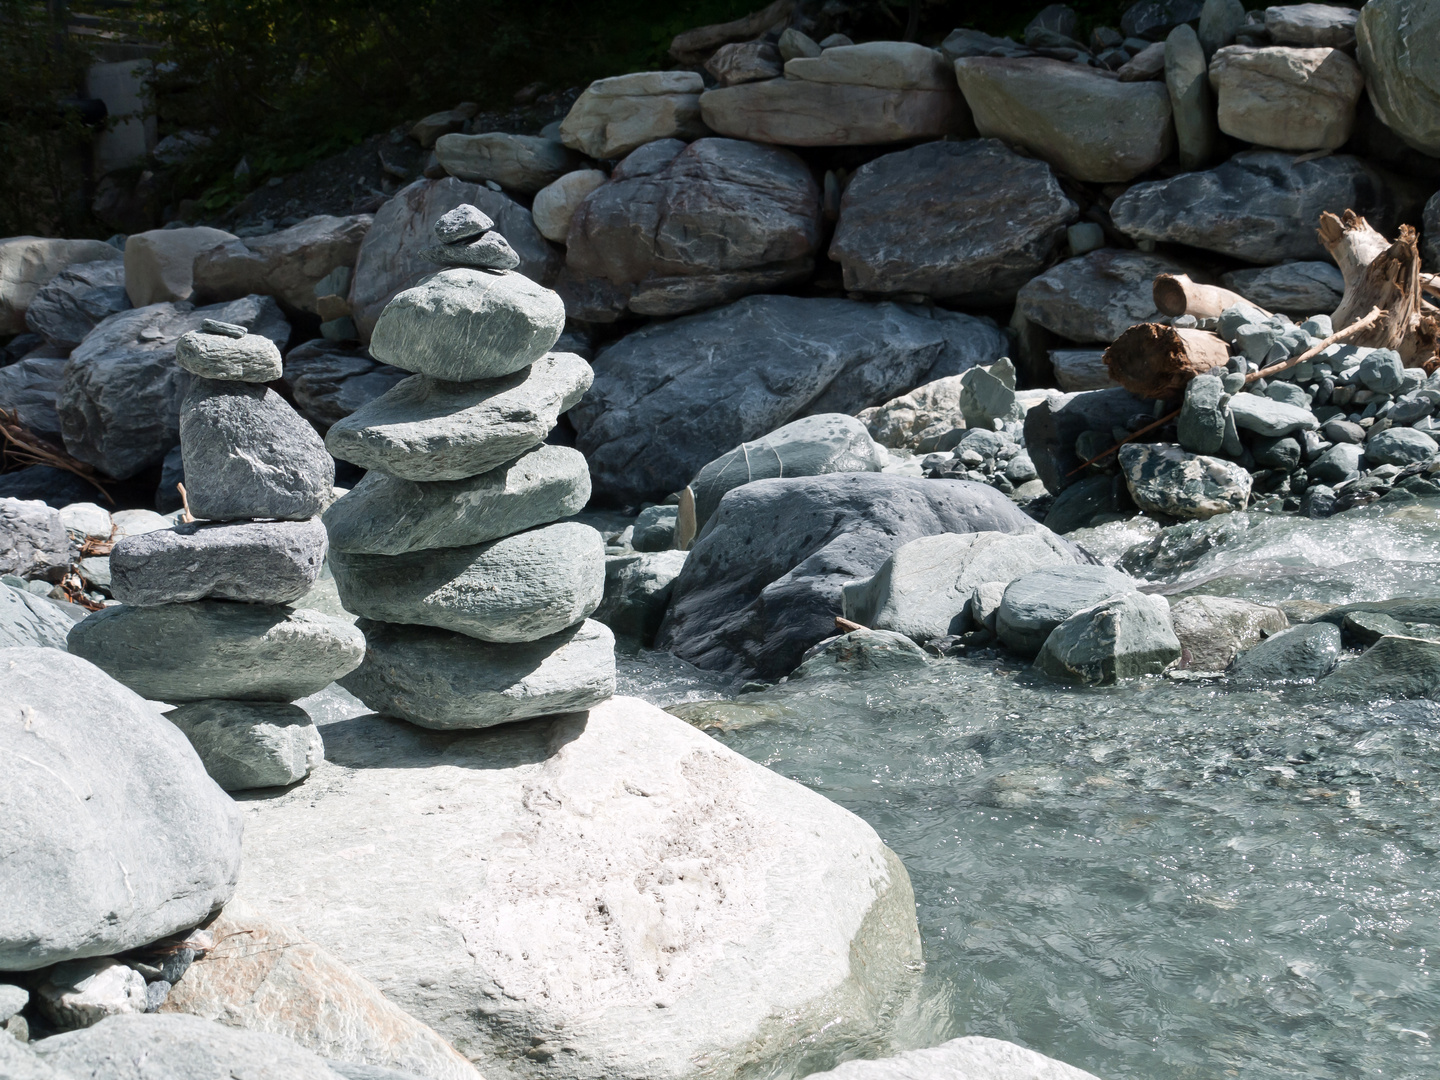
{"x":473,"y":594}
{"x":203,"y":622}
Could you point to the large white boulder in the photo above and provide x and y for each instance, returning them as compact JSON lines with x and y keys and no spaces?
{"x":160,"y":264}
{"x":28,"y":262}
{"x":616,"y":115}
{"x":1287,"y":98}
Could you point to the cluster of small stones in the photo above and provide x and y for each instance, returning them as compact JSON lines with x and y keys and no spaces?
{"x":203,"y":621}
{"x":472,"y":593}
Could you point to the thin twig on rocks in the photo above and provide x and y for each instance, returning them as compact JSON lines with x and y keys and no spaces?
{"x":1130,"y":438}
{"x":20,"y":446}
{"x":186,"y":517}
{"x":1376,"y":314}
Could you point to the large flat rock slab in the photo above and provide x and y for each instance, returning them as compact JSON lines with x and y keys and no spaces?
{"x":607,"y":894}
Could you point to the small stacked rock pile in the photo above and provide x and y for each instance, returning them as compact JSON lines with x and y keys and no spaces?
{"x":202,"y":621}
{"x":473,"y":595}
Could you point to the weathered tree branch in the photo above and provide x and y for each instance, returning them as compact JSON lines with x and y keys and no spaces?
{"x":1153,"y":360}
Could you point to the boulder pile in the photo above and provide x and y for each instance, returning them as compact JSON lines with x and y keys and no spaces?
{"x":473,"y":595}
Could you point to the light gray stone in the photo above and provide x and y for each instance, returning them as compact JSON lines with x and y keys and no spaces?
{"x":216,"y":649}
{"x":1165,"y":479}
{"x":251,"y":744}
{"x":1266,"y":416}
{"x":879,"y":651}
{"x":384,"y":515}
{"x":259,"y":562}
{"x":1085,"y":124}
{"x":993,"y":219}
{"x":1396,"y":667}
{"x":1123,"y":637}
{"x":1201,"y":428}
{"x":1331,"y":25}
{"x":1097,"y":297}
{"x":1037,"y":603}
{"x":465,"y":222}
{"x":462,"y":325}
{"x":86,"y":521}
{"x":816,"y":917}
{"x":523,"y":163}
{"x":615,"y":116}
{"x":1213,"y":630}
{"x":924,"y":589}
{"x":30,"y":620}
{"x":743,"y":62}
{"x":490,"y":252}
{"x":518,"y":588}
{"x":1298,"y":288}
{"x":33,"y":540}
{"x":79,"y":993}
{"x":160,"y":263}
{"x":1341,"y":462}
{"x":901,"y":420}
{"x":328,"y":381}
{"x":152,"y":846}
{"x":1400,"y":446}
{"x":798,"y":112}
{"x":1402,"y":72}
{"x":424,"y":429}
{"x":969,"y":1058}
{"x":252,"y":358}
{"x":1382,"y":371}
{"x":76,"y":300}
{"x":1192,"y":104}
{"x":248,"y":454}
{"x":12,"y":1000}
{"x":287,"y":265}
{"x":554,"y":206}
{"x":1287,"y":98}
{"x":28,"y":263}
{"x":1299,"y":654}
{"x":637,"y":592}
{"x":449,"y":681}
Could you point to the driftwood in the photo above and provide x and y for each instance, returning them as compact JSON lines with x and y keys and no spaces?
{"x":685,"y":525}
{"x":1176,"y":294}
{"x":692,"y":46}
{"x":1153,"y":360}
{"x":845,"y":626}
{"x":1385,"y":275}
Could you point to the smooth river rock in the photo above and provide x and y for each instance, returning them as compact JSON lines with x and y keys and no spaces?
{"x":523,"y":163}
{"x":1097,"y":296}
{"x":1123,"y":637}
{"x":260,"y":562}
{"x":252,"y":358}
{"x":615,"y":890}
{"x":114,"y":835}
{"x":1286,"y":98}
{"x":30,"y":620}
{"x":1037,"y":603}
{"x":425,"y":429}
{"x":797,"y":112}
{"x":218,"y":649}
{"x":617,"y":115}
{"x":251,"y":744}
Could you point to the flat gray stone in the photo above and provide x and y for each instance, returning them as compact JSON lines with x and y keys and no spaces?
{"x":637,"y":592}
{"x":439,"y":679}
{"x":463,"y":325}
{"x":1040,"y":601}
{"x":114,"y":835}
{"x":217,"y":649}
{"x":252,"y":358}
{"x":248,"y":454}
{"x":465,"y":222}
{"x":1097,"y":297}
{"x":33,"y":540}
{"x":1396,"y":667}
{"x":259,"y":562}
{"x":423,"y":429}
{"x":969,"y":1058}
{"x":1400,"y":446}
{"x":30,"y":620}
{"x":1266,"y":416}
{"x":519,"y":588}
{"x":1297,"y":288}
{"x":77,"y":299}
{"x":862,"y":650}
{"x":1123,"y":637}
{"x":251,"y":744}
{"x":1213,"y":630}
{"x":383,"y":515}
{"x":523,"y":163}
{"x":1299,"y":654}
{"x":490,"y":252}
{"x":1164,"y":479}
{"x":923,"y":590}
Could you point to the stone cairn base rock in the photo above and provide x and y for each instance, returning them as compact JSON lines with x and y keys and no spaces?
{"x":203,"y":621}
{"x":475,"y":597}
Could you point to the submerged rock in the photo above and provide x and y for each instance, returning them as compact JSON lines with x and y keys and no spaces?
{"x":1395,"y":666}
{"x":862,"y":650}
{"x":1299,"y":654}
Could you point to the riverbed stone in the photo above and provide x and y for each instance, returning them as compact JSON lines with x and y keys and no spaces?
{"x":864,"y":650}
{"x":450,"y":681}
{"x":251,"y":744}
{"x":259,"y":562}
{"x":895,"y":65}
{"x":464,"y":325}
{"x":557,"y":813}
{"x":615,"y":116}
{"x":489,"y":252}
{"x":637,"y":592}
{"x":1097,"y":297}
{"x":252,"y":358}
{"x":76,"y":300}
{"x":1165,"y":479}
{"x":1402,"y":73}
{"x":1053,"y":425}
{"x":30,"y":620}
{"x":523,"y":163}
{"x":924,"y":589}
{"x":968,"y":1058}
{"x":248,"y":454}
{"x":33,"y":540}
{"x":555,"y":204}
{"x":1266,"y":416}
{"x":1341,"y":462}
{"x":1201,"y":428}
{"x":1297,"y":288}
{"x":1299,"y":654}
{"x":1086,"y":125}
{"x":970,"y":248}
{"x":426,"y":429}
{"x":160,"y":263}
{"x":799,"y":112}
{"x":216,"y":649}
{"x":287,"y":264}
{"x":1400,"y":446}
{"x":29,"y":388}
{"x":152,"y":847}
{"x":901,"y":421}
{"x":1311,"y":25}
{"x":1287,"y":98}
{"x":1038,"y":602}
{"x":1213,"y":630}
{"x":79,"y":993}
{"x":1123,"y":637}
{"x":1381,"y":371}
{"x":1397,"y":666}
{"x":1192,"y":104}
{"x":28,"y":263}
{"x":328,"y":380}
{"x":386,"y":515}
{"x":654,"y":528}
{"x":518,"y":588}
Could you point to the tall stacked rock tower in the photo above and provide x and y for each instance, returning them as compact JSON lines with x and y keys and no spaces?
{"x":203,"y":621}
{"x":473,"y":595}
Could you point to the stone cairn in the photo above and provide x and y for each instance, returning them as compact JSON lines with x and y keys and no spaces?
{"x":473,"y":594}
{"x":203,"y":621}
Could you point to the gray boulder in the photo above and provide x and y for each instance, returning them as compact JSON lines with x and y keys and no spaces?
{"x":328,"y":381}
{"x":1401,"y":73}
{"x":383,"y":515}
{"x":1123,"y":637}
{"x":1097,"y":297}
{"x":115,"y":836}
{"x":287,"y":264}
{"x":675,"y":395}
{"x":1312,"y":25}
{"x":637,"y":592}
{"x":1152,"y":20}
{"x":1299,"y":654}
{"x":1164,"y":479}
{"x":969,"y":1058}
{"x":1188,"y":82}
{"x":1213,"y":630}
{"x":654,"y":528}
{"x":1261,"y":206}
{"x":1201,"y":428}
{"x":251,"y":744}
{"x":1266,"y":416}
{"x":810,"y":446}
{"x":518,"y":588}
{"x":992,"y":220}
{"x":27,"y":620}
{"x":764,"y":582}
{"x":924,"y":589}
{"x":29,"y":389}
{"x":438,"y":679}
{"x":1400,"y":446}
{"x":1396,"y":666}
{"x":259,"y":562}
{"x":720,"y":219}
{"x":79,"y":993}
{"x":33,"y":540}
{"x":1381,"y":371}
{"x":862,"y":651}
{"x":76,"y":300}
{"x":252,"y":358}
{"x":1341,"y":462}
{"x":489,"y":252}
{"x":1052,"y":426}
{"x":428,"y":430}
{"x":248,"y":454}
{"x":523,"y":163}
{"x":462,"y":325}
{"x":215,"y":649}
{"x":119,"y":399}
{"x":1297,"y":288}
{"x":1037,"y":603}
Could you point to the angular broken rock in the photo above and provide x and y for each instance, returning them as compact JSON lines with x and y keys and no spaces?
{"x":1287,"y":98}
{"x":1120,"y":638}
{"x":615,"y":116}
{"x":465,"y":222}
{"x":251,"y":744}
{"x":1098,"y":296}
{"x":489,"y":252}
